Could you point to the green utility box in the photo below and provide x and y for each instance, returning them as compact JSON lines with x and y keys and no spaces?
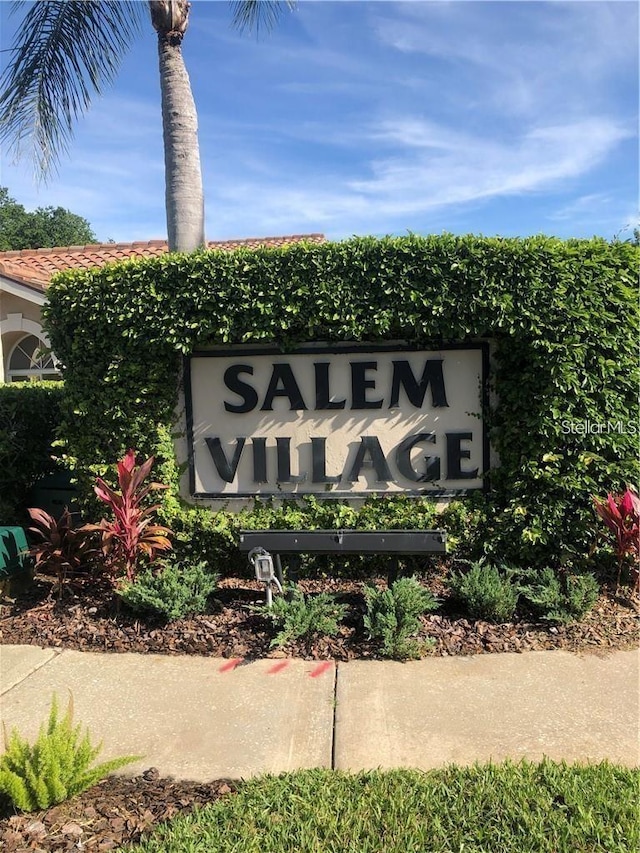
{"x":53,"y":493}
{"x":14,"y":553}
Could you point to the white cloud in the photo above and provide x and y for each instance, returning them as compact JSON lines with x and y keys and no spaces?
{"x":520,"y":59}
{"x":602,"y":212}
{"x":584,"y":205}
{"x":429,"y":168}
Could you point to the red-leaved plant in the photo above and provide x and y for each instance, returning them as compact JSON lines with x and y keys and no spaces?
{"x":621,"y":514}
{"x":61,"y":549}
{"x":132,"y":533}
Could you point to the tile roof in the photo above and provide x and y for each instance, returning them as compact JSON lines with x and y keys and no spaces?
{"x":35,"y":267}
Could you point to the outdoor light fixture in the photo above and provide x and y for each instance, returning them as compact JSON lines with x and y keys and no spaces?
{"x":262,"y":562}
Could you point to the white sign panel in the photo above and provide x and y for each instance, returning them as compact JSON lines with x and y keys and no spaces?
{"x":340,"y":421}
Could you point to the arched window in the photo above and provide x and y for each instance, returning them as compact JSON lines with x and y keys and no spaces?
{"x":30,"y":360}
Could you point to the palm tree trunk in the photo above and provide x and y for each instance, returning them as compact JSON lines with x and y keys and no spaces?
{"x":183,"y":176}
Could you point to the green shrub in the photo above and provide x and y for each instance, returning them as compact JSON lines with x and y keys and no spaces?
{"x":202,"y":534}
{"x":56,"y":767}
{"x":299,"y":616}
{"x":30,"y":414}
{"x":464,"y":522}
{"x":485,"y":592}
{"x":177,"y":590}
{"x":562,"y":598}
{"x":392,"y":616}
{"x":562,"y":315}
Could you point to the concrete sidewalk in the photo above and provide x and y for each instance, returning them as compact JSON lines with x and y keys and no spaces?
{"x":203,"y":718}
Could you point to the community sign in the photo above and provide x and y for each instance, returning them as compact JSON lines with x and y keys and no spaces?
{"x":337,"y":421}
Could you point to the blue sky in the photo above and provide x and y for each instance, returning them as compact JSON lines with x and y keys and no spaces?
{"x":508,"y":118}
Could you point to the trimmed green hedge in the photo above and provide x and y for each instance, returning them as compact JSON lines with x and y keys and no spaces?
{"x":30,"y":414}
{"x":563,"y":316}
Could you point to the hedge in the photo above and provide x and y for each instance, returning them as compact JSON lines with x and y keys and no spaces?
{"x":30,"y":415}
{"x":563,"y":317}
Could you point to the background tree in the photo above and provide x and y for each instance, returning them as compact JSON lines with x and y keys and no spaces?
{"x":65,"y":51}
{"x":42,"y":228}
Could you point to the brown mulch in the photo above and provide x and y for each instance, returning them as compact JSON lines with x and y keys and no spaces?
{"x":88,"y":619}
{"x":119,"y":810}
{"x":116,"y":811}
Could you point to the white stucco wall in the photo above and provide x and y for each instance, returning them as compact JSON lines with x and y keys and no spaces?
{"x":20,"y":315}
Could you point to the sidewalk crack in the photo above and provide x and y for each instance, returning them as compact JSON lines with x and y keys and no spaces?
{"x":5,"y":690}
{"x":333,"y":720}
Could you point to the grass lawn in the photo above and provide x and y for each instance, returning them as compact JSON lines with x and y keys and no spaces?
{"x":524,"y":807}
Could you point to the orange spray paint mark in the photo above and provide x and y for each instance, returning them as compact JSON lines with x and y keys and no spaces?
{"x":278,"y":667}
{"x":323,"y":667}
{"x":230,"y":664}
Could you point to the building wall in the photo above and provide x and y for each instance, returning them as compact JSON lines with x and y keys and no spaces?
{"x":12,"y":304}
{"x":19,"y":317}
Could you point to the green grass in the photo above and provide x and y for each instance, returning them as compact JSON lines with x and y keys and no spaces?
{"x":505,"y":808}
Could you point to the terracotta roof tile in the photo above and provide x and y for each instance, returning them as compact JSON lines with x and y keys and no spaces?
{"x":36,"y":266}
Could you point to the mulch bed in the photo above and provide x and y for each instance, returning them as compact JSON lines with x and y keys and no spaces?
{"x":114,"y":812}
{"x":119,"y":810}
{"x":88,"y":619}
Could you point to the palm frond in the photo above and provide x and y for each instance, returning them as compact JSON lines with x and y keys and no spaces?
{"x":63,"y":53}
{"x":255,"y":14}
